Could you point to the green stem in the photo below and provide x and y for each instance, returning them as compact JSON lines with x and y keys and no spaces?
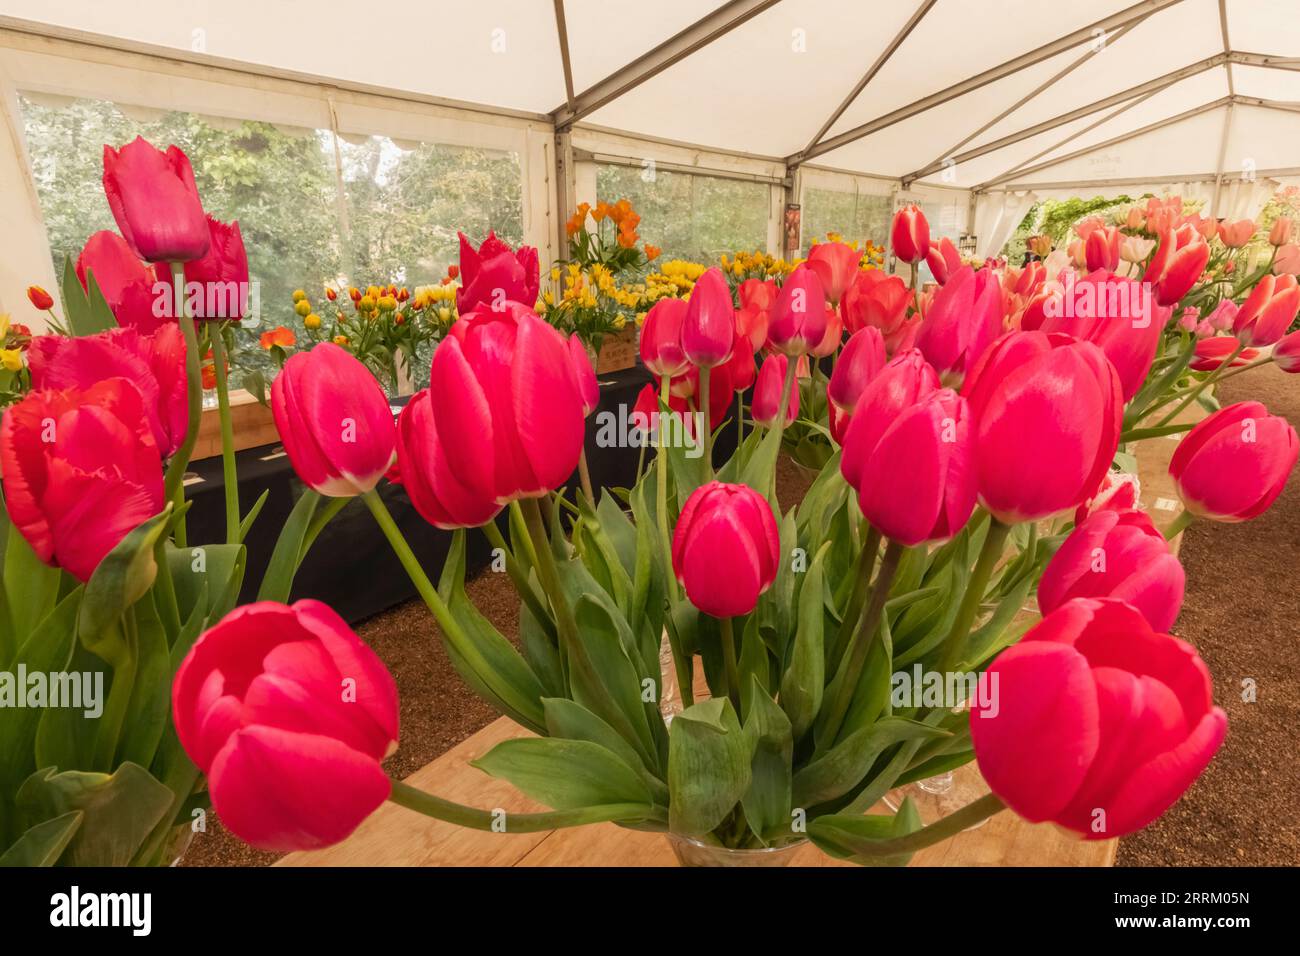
{"x":1138,"y":434}
{"x":168,"y":608}
{"x":1209,"y":380}
{"x":707,"y":427}
{"x":551,"y":585}
{"x":661,"y":495}
{"x":740,"y":431}
{"x":412,"y":798}
{"x":730,"y":665}
{"x":174,"y":486}
{"x":119,"y":696}
{"x":1178,"y":525}
{"x":862,"y":568}
{"x":584,"y":475}
{"x":995,"y":540}
{"x":846,"y":678}
{"x":943,"y":829}
{"x":228,"y":476}
{"x":522,"y":586}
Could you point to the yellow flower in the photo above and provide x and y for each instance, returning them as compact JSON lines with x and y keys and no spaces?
{"x":387,"y":303}
{"x":366,"y":304}
{"x":548,"y":297}
{"x":299,"y":295}
{"x":311,"y":320}
{"x":303,"y":307}
{"x":373,"y":291}
{"x":340,"y":340}
{"x":444,"y":314}
{"x":555,"y":273}
{"x":12,"y":359}
{"x":4,"y":325}
{"x":620,"y":321}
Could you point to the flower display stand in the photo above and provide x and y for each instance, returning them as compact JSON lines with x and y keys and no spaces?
{"x":253,"y":423}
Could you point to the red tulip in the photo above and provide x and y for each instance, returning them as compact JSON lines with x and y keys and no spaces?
{"x":916,"y":483}
{"x":522,"y":365}
{"x":709,"y":326}
{"x":661,"y":338}
{"x":1234,"y":464}
{"x":1178,"y":262}
{"x":798,"y":320}
{"x":126,"y":282}
{"x":155,"y":202}
{"x":1116,"y":554}
{"x":740,"y":367}
{"x":334,"y":420}
{"x":943,"y":260}
{"x":81,"y":471}
{"x":832,"y":338}
{"x":1047,"y":411}
{"x":1118,"y":492}
{"x":960,"y":322}
{"x":1213,"y":351}
{"x":1268,"y":311}
{"x":495,"y":274}
{"x":289,"y":714}
{"x":836,"y":263}
{"x":1286,"y":354}
{"x":1116,"y":314}
{"x":910,"y":234}
{"x":878,"y":300}
{"x":767,"y":392}
{"x":1095,"y":722}
{"x":861,"y":361}
{"x":1234,"y":235}
{"x":906,"y":380}
{"x":726,"y":548}
{"x":585,"y":375}
{"x":757,"y":296}
{"x":1101,"y":249}
{"x":41,"y":299}
{"x":1030,"y":280}
{"x":155,"y":364}
{"x":222,"y":274}
{"x":685,"y":391}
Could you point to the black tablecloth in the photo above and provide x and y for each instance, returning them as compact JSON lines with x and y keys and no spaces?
{"x":351,"y":567}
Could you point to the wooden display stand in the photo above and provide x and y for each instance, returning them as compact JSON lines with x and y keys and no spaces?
{"x":253,"y":425}
{"x":618,"y":351}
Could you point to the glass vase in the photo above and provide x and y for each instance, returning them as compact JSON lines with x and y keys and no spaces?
{"x":692,"y":852}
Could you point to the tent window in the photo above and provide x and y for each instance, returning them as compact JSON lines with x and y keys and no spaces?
{"x":857,"y":217}
{"x":688,"y":216}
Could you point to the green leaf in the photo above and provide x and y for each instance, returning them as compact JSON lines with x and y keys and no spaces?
{"x":206,"y":577}
{"x":43,"y":844}
{"x":147,"y":713}
{"x":767,"y":801}
{"x":253,"y":512}
{"x":85,"y":313}
{"x":120,"y":809}
{"x":278,"y":580}
{"x":31,"y":589}
{"x":708,"y":766}
{"x":842,"y":767}
{"x":805,"y":677}
{"x":859,"y":837}
{"x":565,"y":774}
{"x":571,"y":721}
{"x":122,"y":578}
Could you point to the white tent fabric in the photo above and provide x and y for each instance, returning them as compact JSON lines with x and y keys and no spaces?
{"x":998,"y":99}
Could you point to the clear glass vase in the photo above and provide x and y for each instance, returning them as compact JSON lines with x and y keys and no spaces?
{"x":692,"y":852}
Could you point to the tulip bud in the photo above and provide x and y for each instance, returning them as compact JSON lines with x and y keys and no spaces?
{"x":943,"y":260}
{"x":1224,"y":315}
{"x":40,"y":298}
{"x":1286,"y":354}
{"x":1280,"y":233}
{"x":223,"y":274}
{"x":726,"y":548}
{"x":1234,"y":464}
{"x":1116,"y":554}
{"x":1234,"y":235}
{"x":757,"y":296}
{"x":767,"y":392}
{"x":836,"y":264}
{"x":1268,"y":311}
{"x":155,"y":202}
{"x":798,"y":322}
{"x":1177,"y":264}
{"x":495,"y":274}
{"x":661,"y":338}
{"x":1118,"y":491}
{"x":1213,"y":351}
{"x":334,"y":421}
{"x":709,"y":326}
{"x":903,"y":382}
{"x":289,"y":714}
{"x":916,"y":484}
{"x":1047,"y":410}
{"x":1048,"y":723}
{"x":910,"y":235}
{"x":860,"y":362}
{"x":1102,"y":249}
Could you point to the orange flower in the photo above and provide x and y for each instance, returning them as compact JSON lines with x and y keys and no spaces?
{"x":331,"y":294}
{"x":40,"y":298}
{"x":278,"y":336}
{"x":651,"y":252}
{"x":626,"y":239}
{"x":602,"y":210}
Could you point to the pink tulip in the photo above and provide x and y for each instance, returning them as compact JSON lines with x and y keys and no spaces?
{"x":684,"y":394}
{"x":661,"y":338}
{"x":1116,"y":554}
{"x":222,"y":273}
{"x":1224,"y":315}
{"x":528,"y":382}
{"x":861,"y":361}
{"x":1098,"y":723}
{"x":916,"y":484}
{"x":495,"y":274}
{"x":1287,"y":260}
{"x":155,"y":364}
{"x":961,"y":321}
{"x":943,"y":259}
{"x":1213,"y":351}
{"x":799,"y":317}
{"x":1135,"y":218}
{"x":832,"y":339}
{"x":1047,"y":410}
{"x":1268,"y":311}
{"x":757,"y":296}
{"x":839,"y":420}
{"x":903,"y":382}
{"x":878,"y":300}
{"x":1234,"y":464}
{"x":1102,"y":249}
{"x":726,"y":548}
{"x":1030,"y":280}
{"x":1286,"y":354}
{"x":1234,"y":235}
{"x":1177,"y":264}
{"x":588,"y":387}
{"x":155,"y":202}
{"x":289,"y":714}
{"x":836,"y":263}
{"x":767,"y":392}
{"x":334,"y":421}
{"x":741,"y":368}
{"x":709,"y":326}
{"x":126,"y":282}
{"x":1114,"y":313}
{"x":910,"y":234}
{"x":1280,"y":232}
{"x":81,"y":471}
{"x":1118,"y":492}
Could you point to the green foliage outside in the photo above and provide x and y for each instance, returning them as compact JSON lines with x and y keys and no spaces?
{"x":1055,"y":218}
